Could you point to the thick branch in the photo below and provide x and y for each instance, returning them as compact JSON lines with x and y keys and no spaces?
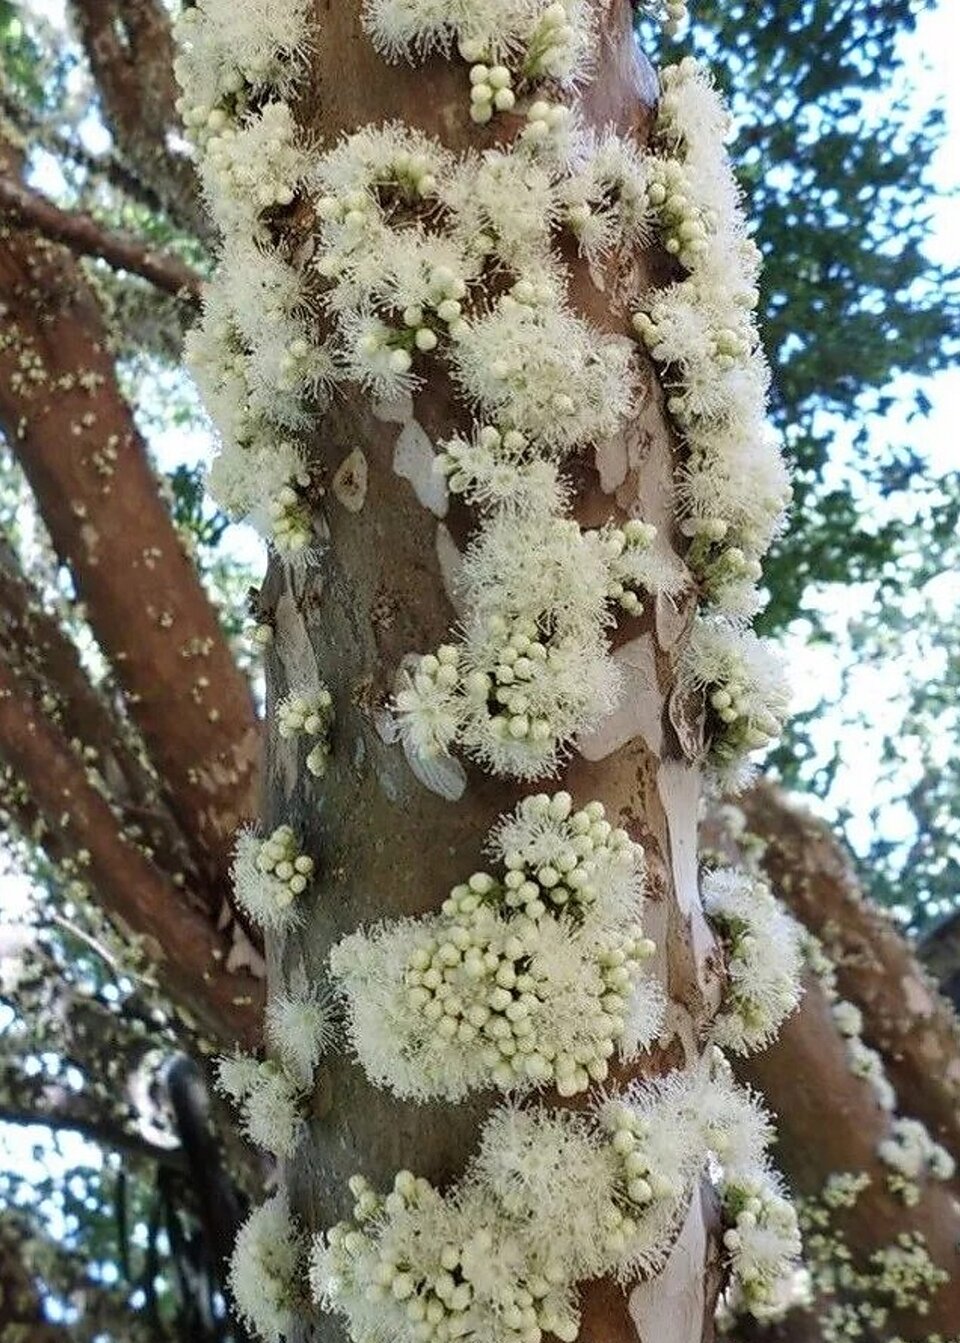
{"x":130,"y":49}
{"x":65,"y":1111}
{"x":832,"y":1124}
{"x":87,"y":464}
{"x":905,"y":1018}
{"x":85,"y":236}
{"x":48,"y":660}
{"x":182,"y":941}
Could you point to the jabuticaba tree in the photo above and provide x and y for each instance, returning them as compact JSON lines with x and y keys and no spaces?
{"x":481,"y":352}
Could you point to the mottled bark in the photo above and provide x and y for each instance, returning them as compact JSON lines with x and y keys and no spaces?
{"x":179,"y":938}
{"x":905,"y":1018}
{"x":85,"y":236}
{"x":385,"y":845}
{"x":46,"y":659}
{"x":829,"y":1122}
{"x":75,"y":437}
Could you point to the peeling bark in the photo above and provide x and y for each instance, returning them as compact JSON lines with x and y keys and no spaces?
{"x":385,"y":845}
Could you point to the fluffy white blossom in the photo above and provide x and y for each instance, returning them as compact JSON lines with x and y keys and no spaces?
{"x":504,"y":205}
{"x":536,"y":39}
{"x":536,"y":367}
{"x":253,"y":166}
{"x":268,"y":877}
{"x":911,"y":1152}
{"x":762,"y":1238}
{"x":494,"y":468}
{"x":604,"y":198}
{"x":301,"y":1027}
{"x":763,"y":958}
{"x":264,"y":1270}
{"x":226,"y":51}
{"x":518,"y":981}
{"x":533,"y":667}
{"x":702,"y":331}
{"x":269,"y":1101}
{"x":308,"y":713}
{"x":747,"y":696}
{"x":552,"y":1198}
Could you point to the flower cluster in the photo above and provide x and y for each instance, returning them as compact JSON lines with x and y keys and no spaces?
{"x":550,"y":1198}
{"x":255,"y":356}
{"x":763,"y":958}
{"x":269,"y":875}
{"x":505,"y":42}
{"x":533,"y":669}
{"x":521,"y":981}
{"x":702,"y":330}
{"x":227,"y":54}
{"x":746,"y":695}
{"x":762,"y":1236}
{"x":308,"y":713}
{"x":265,"y":1270}
{"x":908,"y":1149}
{"x":271,"y":1094}
{"x":269,"y":1100}
{"x":912,"y":1153}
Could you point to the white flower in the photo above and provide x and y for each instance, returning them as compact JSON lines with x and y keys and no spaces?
{"x":538,"y":368}
{"x":264,"y":1268}
{"x":516,"y":983}
{"x":763,"y":958}
{"x":269,"y":876}
{"x":301,"y":1027}
{"x":746,"y":692}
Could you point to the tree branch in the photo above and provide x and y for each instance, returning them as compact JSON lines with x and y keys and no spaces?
{"x":828,"y":1123}
{"x":73,"y":432}
{"x":129,"y":46}
{"x":48,"y":660}
{"x":85,"y":236}
{"x":905,"y":1018}
{"x":182,"y":942}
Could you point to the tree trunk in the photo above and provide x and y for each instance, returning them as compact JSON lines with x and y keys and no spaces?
{"x":386,"y":846}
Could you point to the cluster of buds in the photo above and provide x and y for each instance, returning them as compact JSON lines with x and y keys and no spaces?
{"x":279,"y":857}
{"x":491,"y":90}
{"x":290,"y":517}
{"x":546,"y":120}
{"x":763,"y":1240}
{"x":685,"y":225}
{"x":310,"y":715}
{"x":520,"y":655}
{"x":639,"y":1180}
{"x":584,"y":856}
{"x":551,"y":50}
{"x":621,"y":547}
{"x":477,"y":978}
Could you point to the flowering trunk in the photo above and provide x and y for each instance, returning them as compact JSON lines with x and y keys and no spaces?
{"x":387,"y":845}
{"x":489,"y":558}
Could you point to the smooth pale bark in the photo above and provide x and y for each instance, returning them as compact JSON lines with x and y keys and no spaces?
{"x":385,"y":845}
